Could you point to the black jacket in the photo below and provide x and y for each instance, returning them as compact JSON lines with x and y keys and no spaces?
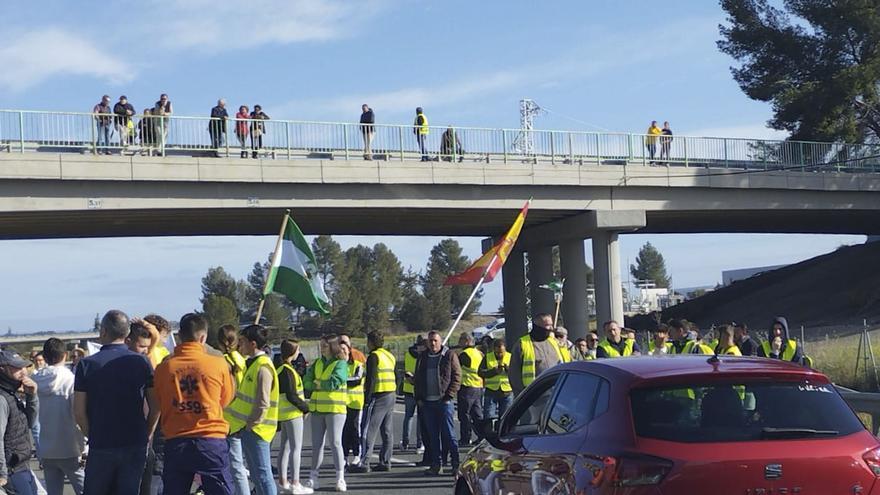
{"x":449,"y":370}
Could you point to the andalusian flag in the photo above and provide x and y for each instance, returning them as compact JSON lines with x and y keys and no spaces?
{"x":294,"y":271}
{"x":490,"y":263}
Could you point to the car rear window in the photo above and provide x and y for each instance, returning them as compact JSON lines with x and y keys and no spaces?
{"x":742,"y":412}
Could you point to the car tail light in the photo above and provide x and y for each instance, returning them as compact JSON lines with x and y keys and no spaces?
{"x":641,"y":471}
{"x":872,"y":459}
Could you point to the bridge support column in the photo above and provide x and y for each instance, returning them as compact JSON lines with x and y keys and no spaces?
{"x":514,"y":277}
{"x":606,"y":275}
{"x":574,"y":292}
{"x":541,"y":272}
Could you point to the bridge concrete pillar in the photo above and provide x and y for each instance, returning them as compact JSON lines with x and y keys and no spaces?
{"x":513,"y":274}
{"x":541,"y":272}
{"x":606,"y":275}
{"x":574,"y":291}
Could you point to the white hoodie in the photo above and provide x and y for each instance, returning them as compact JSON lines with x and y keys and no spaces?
{"x":60,"y":437}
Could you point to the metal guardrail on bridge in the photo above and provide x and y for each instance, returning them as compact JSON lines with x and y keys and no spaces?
{"x":25,"y":130}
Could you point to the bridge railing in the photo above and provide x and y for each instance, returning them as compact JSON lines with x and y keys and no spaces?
{"x":23,"y":131}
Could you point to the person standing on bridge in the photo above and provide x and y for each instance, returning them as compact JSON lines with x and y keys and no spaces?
{"x":651,"y":140}
{"x":241,"y":128}
{"x":123,"y":110}
{"x":368,"y":119}
{"x":104,"y":121}
{"x":217,"y":126}
{"x":665,"y":141}
{"x":421,"y":129}
{"x":163,"y":110}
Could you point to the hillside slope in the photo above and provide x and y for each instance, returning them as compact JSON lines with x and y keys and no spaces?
{"x":839,"y":287}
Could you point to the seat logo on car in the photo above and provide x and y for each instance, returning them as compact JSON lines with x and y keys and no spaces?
{"x":773,"y":471}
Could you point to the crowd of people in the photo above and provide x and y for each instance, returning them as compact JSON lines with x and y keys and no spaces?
{"x":119,"y":127}
{"x":206,"y":416}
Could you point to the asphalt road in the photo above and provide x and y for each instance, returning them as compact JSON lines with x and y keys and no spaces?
{"x":404,"y":477}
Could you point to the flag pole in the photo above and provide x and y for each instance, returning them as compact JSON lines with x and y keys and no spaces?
{"x":471,"y":298}
{"x":274,"y":255}
{"x":558,"y":303}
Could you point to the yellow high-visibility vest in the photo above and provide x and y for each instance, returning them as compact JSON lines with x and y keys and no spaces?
{"x":238,"y":412}
{"x":238,"y":363}
{"x":469,"y":375}
{"x":787,"y":351}
{"x":356,"y":392}
{"x":327,"y":401}
{"x":670,"y":349}
{"x":423,"y":128}
{"x":501,"y":381}
{"x":528,"y":356}
{"x":286,"y":409}
{"x":612,"y":352}
{"x":385,"y":378}
{"x":731,"y":351}
{"x":409,"y":365}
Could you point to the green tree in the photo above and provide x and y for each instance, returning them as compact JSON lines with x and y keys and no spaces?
{"x":815,"y":61}
{"x":368,"y":288}
{"x":443,"y":301}
{"x":413,"y":310}
{"x":219,"y":310}
{"x":328,"y":256}
{"x":218,"y":282}
{"x":650,"y":266}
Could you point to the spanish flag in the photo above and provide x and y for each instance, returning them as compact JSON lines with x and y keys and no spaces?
{"x":490,"y":263}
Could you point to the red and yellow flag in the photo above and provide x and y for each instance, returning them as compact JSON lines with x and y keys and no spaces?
{"x":491,"y":262}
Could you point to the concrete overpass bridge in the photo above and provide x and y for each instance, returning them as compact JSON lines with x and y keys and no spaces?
{"x":57,"y":188}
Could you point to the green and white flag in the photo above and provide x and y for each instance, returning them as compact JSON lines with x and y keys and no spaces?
{"x":294,"y":271}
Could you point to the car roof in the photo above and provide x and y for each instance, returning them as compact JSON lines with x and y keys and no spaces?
{"x":636,"y":369}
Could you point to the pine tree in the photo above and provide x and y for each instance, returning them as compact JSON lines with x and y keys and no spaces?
{"x":219,"y":310}
{"x":650,"y":266}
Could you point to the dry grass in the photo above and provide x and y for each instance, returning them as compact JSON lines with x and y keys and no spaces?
{"x":836,"y":357}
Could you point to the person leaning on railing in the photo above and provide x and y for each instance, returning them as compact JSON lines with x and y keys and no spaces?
{"x":241,"y":128}
{"x":104,"y":122}
{"x":258,"y":129}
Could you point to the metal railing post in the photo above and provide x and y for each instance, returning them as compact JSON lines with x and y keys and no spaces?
{"x":287,"y":133}
{"x":726,"y":161}
{"x":94,"y":133}
{"x":803,"y":158}
{"x":226,"y":135}
{"x":162,"y":136}
{"x":400,"y":133}
{"x":686,"y":160}
{"x":552,"y":149}
{"x":629,"y":148}
{"x":764,"y":153}
{"x":644,"y":150}
{"x":504,"y":144}
{"x":454,"y":144}
{"x":21,"y":131}
{"x":571,"y":148}
{"x":598,"y":150}
{"x":345,"y":139}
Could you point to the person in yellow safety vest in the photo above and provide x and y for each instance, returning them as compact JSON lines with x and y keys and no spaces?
{"x":585,"y":348}
{"x":651,"y":139}
{"x":381,"y":393}
{"x":420,"y":129}
{"x":227,"y":343}
{"x":726,"y":344}
{"x":535,"y":353}
{"x":787,"y":349}
{"x":494,"y":368}
{"x":253,"y":414}
{"x":470,"y":395}
{"x":159,"y":351}
{"x":685,"y":339}
{"x":659,"y":345}
{"x":614,"y":344}
{"x":292,"y":406}
{"x":409,"y":398}
{"x":351,"y":433}
{"x":327,"y":379}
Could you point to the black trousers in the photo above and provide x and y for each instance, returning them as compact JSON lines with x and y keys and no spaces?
{"x":351,"y":433}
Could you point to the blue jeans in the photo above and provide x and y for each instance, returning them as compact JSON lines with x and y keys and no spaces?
{"x":186,"y":457}
{"x":103,"y":139}
{"x":259,"y":462}
{"x":409,"y":402}
{"x":55,"y":470}
{"x":494,"y":404}
{"x":236,"y":464}
{"x":438,"y":419}
{"x":23,"y":482}
{"x":422,"y":138}
{"x":35,"y":432}
{"x":116,"y":470}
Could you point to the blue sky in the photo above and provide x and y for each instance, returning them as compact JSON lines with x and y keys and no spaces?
{"x":595,"y":65}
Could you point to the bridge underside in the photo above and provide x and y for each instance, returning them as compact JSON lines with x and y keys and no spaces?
{"x":402,"y":221}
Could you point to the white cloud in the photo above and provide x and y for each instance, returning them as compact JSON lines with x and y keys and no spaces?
{"x":211,"y":26}
{"x":35,"y":56}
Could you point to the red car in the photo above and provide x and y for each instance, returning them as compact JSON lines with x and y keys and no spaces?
{"x":678,"y":425}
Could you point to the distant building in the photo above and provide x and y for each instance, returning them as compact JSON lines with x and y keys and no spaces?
{"x":730,"y":276}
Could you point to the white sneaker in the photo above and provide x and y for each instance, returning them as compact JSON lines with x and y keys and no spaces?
{"x":284,"y":488}
{"x":300,"y":490}
{"x":313,"y":481}
{"x":420,"y":450}
{"x":356,"y":460}
{"x":340,"y":486}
